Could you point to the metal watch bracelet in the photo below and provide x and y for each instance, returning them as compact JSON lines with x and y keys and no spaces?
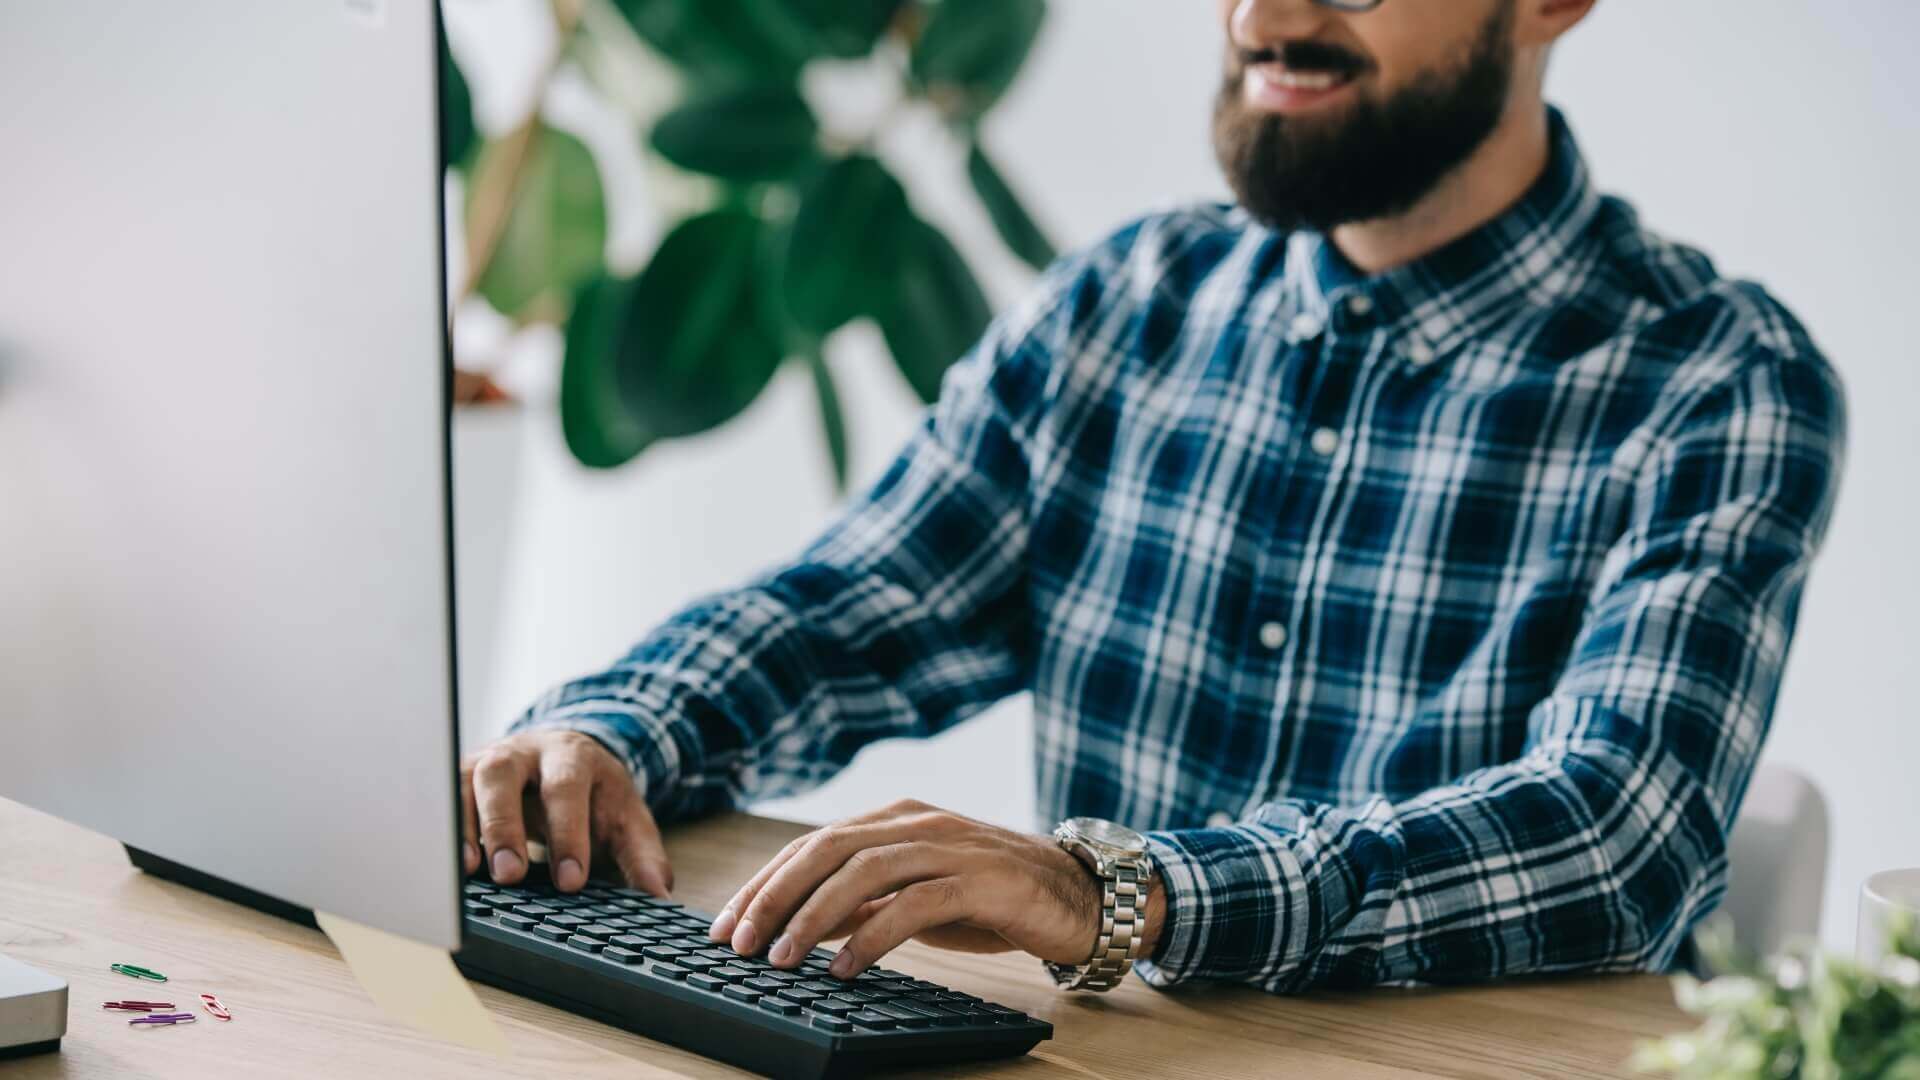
{"x":1122,"y":924}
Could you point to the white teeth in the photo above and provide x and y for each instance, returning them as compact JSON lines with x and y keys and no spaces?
{"x":1301,"y":80}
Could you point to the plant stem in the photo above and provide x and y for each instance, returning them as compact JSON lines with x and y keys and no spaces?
{"x":494,"y":195}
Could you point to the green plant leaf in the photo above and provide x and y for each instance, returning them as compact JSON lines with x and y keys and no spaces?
{"x":842,"y":250}
{"x":1016,"y":227}
{"x":743,"y":134}
{"x":833,"y":423}
{"x":695,"y":349}
{"x":971,"y":51}
{"x":457,"y":130}
{"x":556,"y":234}
{"x":599,"y":430}
{"x":723,"y":42}
{"x":936,"y":310}
{"x":845,"y":28}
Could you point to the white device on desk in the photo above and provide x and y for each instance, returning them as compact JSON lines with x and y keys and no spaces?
{"x":225,"y":611}
{"x":33,"y":1010}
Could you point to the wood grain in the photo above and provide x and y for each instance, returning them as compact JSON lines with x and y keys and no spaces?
{"x":70,"y":904}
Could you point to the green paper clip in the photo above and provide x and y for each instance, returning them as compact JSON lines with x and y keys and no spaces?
{"x":138,"y":972}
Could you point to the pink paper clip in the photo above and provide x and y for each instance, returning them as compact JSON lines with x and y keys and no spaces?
{"x":214,"y":1006}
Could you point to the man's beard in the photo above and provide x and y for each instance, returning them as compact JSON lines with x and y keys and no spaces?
{"x":1377,"y":160}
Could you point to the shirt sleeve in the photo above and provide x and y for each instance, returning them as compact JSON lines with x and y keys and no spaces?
{"x":904,"y":618}
{"x":1605,"y":841}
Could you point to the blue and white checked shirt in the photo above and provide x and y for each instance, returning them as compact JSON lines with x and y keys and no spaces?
{"x":1431,"y":621}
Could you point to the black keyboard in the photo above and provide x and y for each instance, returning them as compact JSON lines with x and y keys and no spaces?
{"x":646,"y":965}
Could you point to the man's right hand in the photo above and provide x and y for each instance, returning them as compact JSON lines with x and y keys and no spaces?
{"x":567,"y":790}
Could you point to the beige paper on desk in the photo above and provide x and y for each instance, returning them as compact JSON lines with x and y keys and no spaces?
{"x":415,"y":983}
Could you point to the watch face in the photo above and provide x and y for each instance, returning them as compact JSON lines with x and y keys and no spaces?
{"x":1108,"y":835}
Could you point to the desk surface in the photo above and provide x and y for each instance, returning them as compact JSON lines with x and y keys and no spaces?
{"x":70,"y":904}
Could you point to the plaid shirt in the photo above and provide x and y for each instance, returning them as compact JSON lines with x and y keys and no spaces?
{"x":1430,"y":622}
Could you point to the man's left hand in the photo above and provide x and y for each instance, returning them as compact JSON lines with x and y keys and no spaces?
{"x":913,"y":871}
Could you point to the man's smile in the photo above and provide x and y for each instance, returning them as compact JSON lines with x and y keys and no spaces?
{"x":1273,"y":87}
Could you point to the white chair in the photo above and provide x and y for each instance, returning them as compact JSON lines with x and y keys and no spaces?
{"x":1777,"y":861}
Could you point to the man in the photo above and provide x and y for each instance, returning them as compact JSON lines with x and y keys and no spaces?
{"x":1411,"y":552}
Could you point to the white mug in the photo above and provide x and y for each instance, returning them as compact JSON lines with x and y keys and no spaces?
{"x":1883,"y":894}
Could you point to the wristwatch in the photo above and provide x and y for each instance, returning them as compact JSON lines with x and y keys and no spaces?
{"x":1118,"y":857}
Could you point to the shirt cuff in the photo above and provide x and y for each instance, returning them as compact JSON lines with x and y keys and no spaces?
{"x":1229,"y":904}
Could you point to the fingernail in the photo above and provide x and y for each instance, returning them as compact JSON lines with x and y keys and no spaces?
{"x":569,"y":876}
{"x":505,"y":864}
{"x":469,"y":857}
{"x":722,"y":925}
{"x":743,"y":940}
{"x":782,"y":949}
{"x":842,"y":966}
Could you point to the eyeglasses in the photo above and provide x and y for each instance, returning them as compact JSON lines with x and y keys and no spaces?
{"x":1350,"y":5}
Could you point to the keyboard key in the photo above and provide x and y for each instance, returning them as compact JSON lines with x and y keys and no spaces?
{"x":553,"y":933}
{"x":831,"y":1023}
{"x":586,"y":944}
{"x":774,"y":1004}
{"x":476,"y":907}
{"x":520,"y":922}
{"x":669,"y":971}
{"x":594,"y":932}
{"x":906,"y":1017}
{"x":625,"y":956}
{"x":572,"y":922}
{"x":697,"y":963}
{"x":836,"y":1008}
{"x":705,"y":982}
{"x":538,"y":911}
{"x":662,"y":952}
{"x":632,"y":941}
{"x":765,"y":985}
{"x":867,"y":1018}
{"x":731,"y":973}
{"x":742,"y":993}
{"x":820,"y":986}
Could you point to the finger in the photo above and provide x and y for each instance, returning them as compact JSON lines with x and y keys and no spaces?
{"x":764,"y":909}
{"x":725,"y":924}
{"x":860,"y":917}
{"x":627,"y":829}
{"x":566,"y":793}
{"x":866,"y":875}
{"x":469,"y":823}
{"x":919,"y":907}
{"x":499,"y":779}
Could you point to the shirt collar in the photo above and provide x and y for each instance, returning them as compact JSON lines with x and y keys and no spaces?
{"x":1464,"y":289}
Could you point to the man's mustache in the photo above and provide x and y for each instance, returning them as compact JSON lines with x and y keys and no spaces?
{"x":1303,"y":56}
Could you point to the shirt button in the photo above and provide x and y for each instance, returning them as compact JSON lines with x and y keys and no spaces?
{"x":1219,"y":819}
{"x":1419,"y":352}
{"x":1273,"y":636}
{"x":1325,"y":442}
{"x":1360,"y":305}
{"x":1303,"y":327}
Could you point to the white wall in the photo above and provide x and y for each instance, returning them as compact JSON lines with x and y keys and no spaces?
{"x":1778,"y":136}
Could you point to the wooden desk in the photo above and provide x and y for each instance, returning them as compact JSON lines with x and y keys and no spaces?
{"x":70,"y":904}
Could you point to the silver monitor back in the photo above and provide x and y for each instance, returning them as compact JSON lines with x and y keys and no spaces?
{"x":225,"y":609}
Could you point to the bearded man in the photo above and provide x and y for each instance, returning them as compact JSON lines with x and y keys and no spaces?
{"x":1402,"y":562}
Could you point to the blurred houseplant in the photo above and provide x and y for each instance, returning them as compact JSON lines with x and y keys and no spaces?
{"x":792,"y":232}
{"x":1802,"y":1016}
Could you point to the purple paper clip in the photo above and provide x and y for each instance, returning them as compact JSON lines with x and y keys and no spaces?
{"x":166,"y":1019}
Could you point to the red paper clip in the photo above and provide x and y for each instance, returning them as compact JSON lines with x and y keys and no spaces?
{"x":214,"y":1006}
